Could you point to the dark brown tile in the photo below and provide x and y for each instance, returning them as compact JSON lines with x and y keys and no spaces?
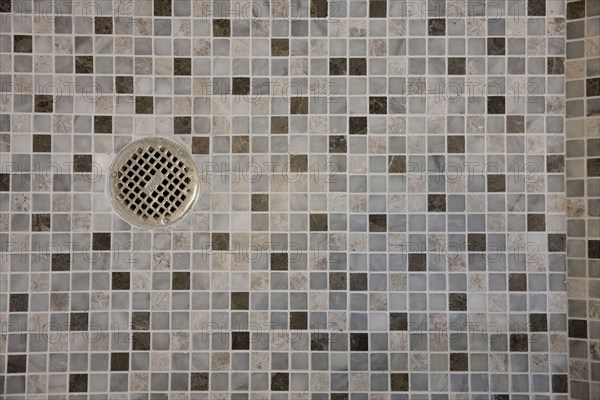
{"x":78,"y":383}
{"x":555,"y":163}
{"x":260,"y":202}
{"x":377,"y":105}
{"x":119,"y":361}
{"x":397,"y":164}
{"x":496,"y":104}
{"x":358,"y":281}
{"x":239,"y":300}
{"x":560,"y":384}
{"x":517,"y":282}
{"x":279,"y":261}
{"x":594,"y":249}
{"x":496,"y":46}
{"x":496,"y":183}
{"x":140,"y":341}
{"x":557,"y":242}
{"x":124,"y":84}
{"x":515,"y":124}
{"x":280,"y":381}
{"x":42,"y":143}
{"x":182,"y":66}
{"x":199,"y":381}
{"x":103,"y":25}
{"x":140,"y":321}
{"x":398,"y":321}
{"x":538,"y":322}
{"x":459,"y":361}
{"x":337,"y":144}
{"x":457,"y":66}
{"x":101,"y":241}
{"x":200,"y":145}
{"x":78,"y":322}
{"x":417,"y":262}
{"x":84,"y":64}
{"x":536,"y":222}
{"x":279,"y":125}
{"x":22,"y":44}
{"x":144,"y":105}
{"x":578,"y":328}
{"x":592,"y":87}
{"x":536,"y":7}
{"x":44,"y":103}
{"x":181,"y":281}
{"x":5,"y":6}
{"x":16,"y":363}
{"x":377,"y":223}
{"x":240,"y":86}
{"x":298,"y":163}
{"x":299,"y":105}
{"x":162,"y":8}
{"x":358,"y":125}
{"x":576,"y":9}
{"x":240,"y":340}
{"x":593,"y":167}
{"x":298,"y":320}
{"x":437,"y":27}
{"x":338,"y":281}
{"x":318,"y":8}
{"x":40,"y":222}
{"x":220,"y":241}
{"x":280,"y":47}
{"x":240,"y":144}
{"x":359,"y":342}
{"x":457,"y":301}
{"x":519,"y":342}
{"x":456,"y":144}
{"x":358,"y":66}
{"x":338,"y":66}
{"x":377,"y":8}
{"x":61,"y":262}
{"x":436,"y":202}
{"x":4,"y":182}
{"x":102,"y":124}
{"x":19,"y":302}
{"x":120,"y":280}
{"x":319,"y":341}
{"x":318,"y":222}
{"x":399,"y":382}
{"x":556,"y":65}
{"x":182,"y":125}
{"x":82,"y":163}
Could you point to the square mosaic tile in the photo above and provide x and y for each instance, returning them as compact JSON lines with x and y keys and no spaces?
{"x":387,"y":207}
{"x":583,"y":196}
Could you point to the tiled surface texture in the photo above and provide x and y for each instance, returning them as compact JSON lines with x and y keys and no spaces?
{"x":583,"y":196}
{"x":381,"y":216}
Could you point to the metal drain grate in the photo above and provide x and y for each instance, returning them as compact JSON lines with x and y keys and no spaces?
{"x":153,"y":182}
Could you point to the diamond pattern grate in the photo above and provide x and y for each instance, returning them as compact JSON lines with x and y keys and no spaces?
{"x":153,"y":182}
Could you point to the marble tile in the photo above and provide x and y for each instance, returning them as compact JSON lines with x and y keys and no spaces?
{"x":380,"y":213}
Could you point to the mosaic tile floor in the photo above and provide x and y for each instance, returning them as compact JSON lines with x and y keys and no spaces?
{"x":582,"y":74}
{"x":381,"y":212}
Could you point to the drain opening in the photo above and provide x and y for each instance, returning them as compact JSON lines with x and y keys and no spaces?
{"x":153,"y":182}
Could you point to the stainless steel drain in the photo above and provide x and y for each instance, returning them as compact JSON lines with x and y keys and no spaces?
{"x":153,"y":182}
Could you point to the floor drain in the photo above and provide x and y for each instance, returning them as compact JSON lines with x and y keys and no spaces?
{"x":153,"y":182}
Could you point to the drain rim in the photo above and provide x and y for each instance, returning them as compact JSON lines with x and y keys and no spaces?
{"x":125,"y":154}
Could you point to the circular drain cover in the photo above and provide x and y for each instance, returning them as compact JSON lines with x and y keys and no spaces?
{"x":153,"y":182}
